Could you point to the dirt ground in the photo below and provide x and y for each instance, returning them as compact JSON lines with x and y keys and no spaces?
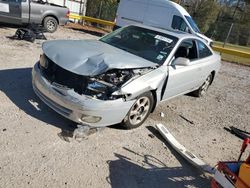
{"x":33,"y":155}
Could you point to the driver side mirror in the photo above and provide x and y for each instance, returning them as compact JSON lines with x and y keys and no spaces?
{"x":181,"y":61}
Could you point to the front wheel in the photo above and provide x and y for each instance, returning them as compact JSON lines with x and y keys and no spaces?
{"x":201,"y":91}
{"x":139,"y":111}
{"x":50,"y":24}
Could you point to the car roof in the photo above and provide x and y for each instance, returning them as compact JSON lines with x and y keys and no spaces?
{"x":176,"y":33}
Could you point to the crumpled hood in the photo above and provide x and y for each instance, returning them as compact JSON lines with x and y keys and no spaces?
{"x":91,"y":57}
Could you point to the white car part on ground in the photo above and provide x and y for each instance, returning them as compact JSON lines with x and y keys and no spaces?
{"x":194,"y":160}
{"x":222,"y":180}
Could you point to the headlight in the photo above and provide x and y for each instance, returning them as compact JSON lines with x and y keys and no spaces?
{"x":102,"y":90}
{"x":43,"y":61}
{"x":97,"y":87}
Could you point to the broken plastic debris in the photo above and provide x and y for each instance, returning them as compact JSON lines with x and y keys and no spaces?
{"x":35,"y":105}
{"x":189,"y":121}
{"x":162,"y":114}
{"x":81,"y":132}
{"x":151,"y":135}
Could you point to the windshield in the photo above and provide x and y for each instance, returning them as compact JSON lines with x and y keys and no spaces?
{"x":148,"y":44}
{"x":193,"y":24}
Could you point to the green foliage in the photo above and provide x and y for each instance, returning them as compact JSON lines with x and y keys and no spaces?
{"x":215,"y":20}
{"x":203,"y":12}
{"x":103,"y":9}
{"x":240,"y":33}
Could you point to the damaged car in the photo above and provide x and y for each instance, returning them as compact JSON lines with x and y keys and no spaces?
{"x":121,"y":77}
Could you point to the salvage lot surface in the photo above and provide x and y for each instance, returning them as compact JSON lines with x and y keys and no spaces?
{"x":33,"y":155}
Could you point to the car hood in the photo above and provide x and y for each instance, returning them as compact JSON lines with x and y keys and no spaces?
{"x":91,"y":57}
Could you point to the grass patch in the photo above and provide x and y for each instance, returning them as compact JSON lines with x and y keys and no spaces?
{"x":233,"y":46}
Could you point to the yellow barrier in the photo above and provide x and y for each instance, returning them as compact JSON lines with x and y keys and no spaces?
{"x":231,"y":51}
{"x":90,"y":19}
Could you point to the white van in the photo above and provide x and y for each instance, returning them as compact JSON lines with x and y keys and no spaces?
{"x":163,"y":14}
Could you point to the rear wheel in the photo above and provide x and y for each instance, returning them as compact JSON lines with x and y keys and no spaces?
{"x":203,"y":89}
{"x":139,"y":111}
{"x":50,"y":24}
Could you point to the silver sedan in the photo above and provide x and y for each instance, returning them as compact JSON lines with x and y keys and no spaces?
{"x":121,"y":77}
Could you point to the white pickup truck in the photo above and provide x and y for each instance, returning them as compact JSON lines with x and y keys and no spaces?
{"x":21,"y":12}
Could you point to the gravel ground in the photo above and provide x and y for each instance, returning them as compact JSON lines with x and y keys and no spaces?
{"x":33,"y":155}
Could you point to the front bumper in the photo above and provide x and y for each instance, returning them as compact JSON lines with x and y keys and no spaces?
{"x":74,"y":106}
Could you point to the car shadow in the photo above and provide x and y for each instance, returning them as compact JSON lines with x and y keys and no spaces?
{"x":12,"y":26}
{"x":5,"y":25}
{"x":118,"y":126}
{"x":95,"y":33}
{"x":32,"y":26}
{"x":86,"y":29}
{"x":16,"y":84}
{"x":124,"y":172}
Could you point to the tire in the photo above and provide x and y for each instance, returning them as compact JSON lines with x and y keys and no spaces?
{"x":139,"y":111}
{"x":50,"y":24}
{"x":201,"y":91}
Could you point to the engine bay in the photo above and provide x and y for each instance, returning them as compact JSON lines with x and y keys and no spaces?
{"x":100,"y":87}
{"x":104,"y":85}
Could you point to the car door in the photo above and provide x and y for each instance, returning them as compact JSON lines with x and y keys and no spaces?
{"x":182,"y":79}
{"x":10,"y":11}
{"x":25,"y":11}
{"x":204,"y":62}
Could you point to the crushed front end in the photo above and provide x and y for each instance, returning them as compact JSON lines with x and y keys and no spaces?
{"x":82,"y":99}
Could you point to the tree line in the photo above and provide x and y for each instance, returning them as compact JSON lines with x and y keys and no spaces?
{"x":213,"y":17}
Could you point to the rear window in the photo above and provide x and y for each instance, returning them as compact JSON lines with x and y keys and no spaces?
{"x":148,"y":44}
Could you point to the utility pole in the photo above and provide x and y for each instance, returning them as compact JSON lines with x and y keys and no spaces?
{"x":100,"y":10}
{"x":229,"y":32}
{"x":84,"y":8}
{"x":238,"y":2}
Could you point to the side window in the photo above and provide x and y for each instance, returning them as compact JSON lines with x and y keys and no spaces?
{"x":179,"y":24}
{"x":204,"y":51}
{"x":187,"y":49}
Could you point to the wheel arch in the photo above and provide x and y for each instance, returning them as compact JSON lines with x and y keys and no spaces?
{"x":155,"y":100}
{"x":50,"y":15}
{"x":213,"y":75}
